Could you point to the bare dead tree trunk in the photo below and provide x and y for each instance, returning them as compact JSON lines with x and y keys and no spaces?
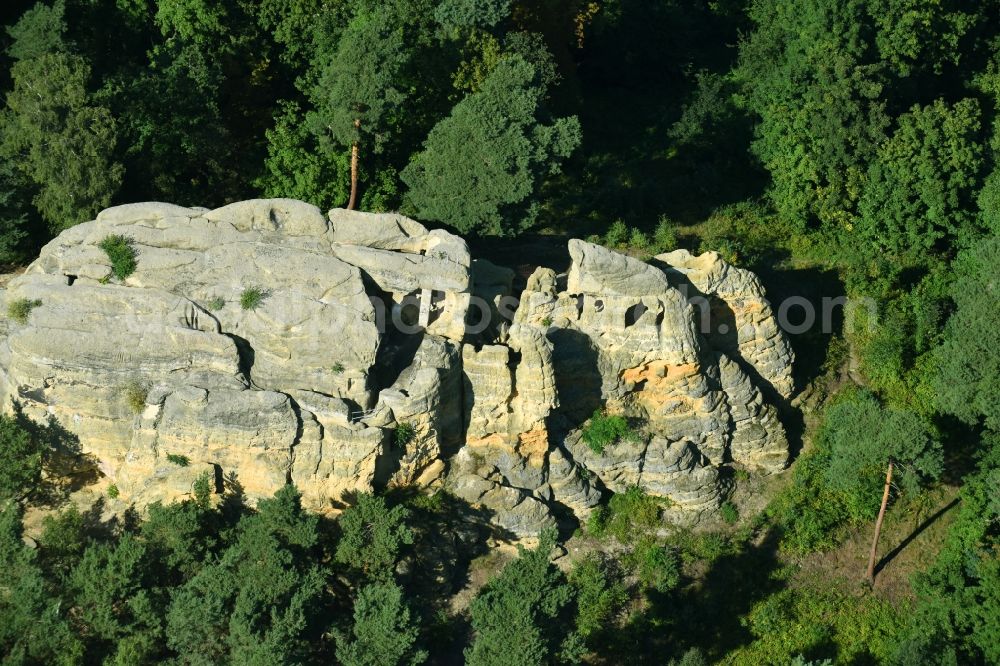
{"x":354,"y":177}
{"x":878,"y":526}
{"x":354,"y":170}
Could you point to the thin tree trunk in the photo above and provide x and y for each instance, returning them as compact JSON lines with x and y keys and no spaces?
{"x":354,"y":170}
{"x":878,"y":526}
{"x":354,"y":176}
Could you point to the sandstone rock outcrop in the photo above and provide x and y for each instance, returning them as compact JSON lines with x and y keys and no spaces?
{"x":364,"y":365}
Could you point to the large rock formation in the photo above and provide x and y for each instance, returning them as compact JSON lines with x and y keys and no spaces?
{"x":362,"y":366}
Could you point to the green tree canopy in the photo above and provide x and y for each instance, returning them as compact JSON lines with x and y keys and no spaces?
{"x":111,"y":590}
{"x":34,"y":627}
{"x":259,"y":603}
{"x":40,"y":30}
{"x":863,"y":436}
{"x":955,"y":619}
{"x":921,"y":187}
{"x":524,"y":615}
{"x":471,"y":13}
{"x":296,"y":167}
{"x":15,"y":214}
{"x":60,"y":139}
{"x":384,"y":634}
{"x":968,"y":362}
{"x":481,"y":166}
{"x":20,"y":459}
{"x":361,"y":87}
{"x":372,"y":536}
{"x":809,"y":74}
{"x":913,"y":34}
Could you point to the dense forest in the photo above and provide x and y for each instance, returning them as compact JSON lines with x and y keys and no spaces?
{"x":836,"y":147}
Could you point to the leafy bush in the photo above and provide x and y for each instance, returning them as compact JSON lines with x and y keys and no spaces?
{"x":337,"y":368}
{"x":113,"y":491}
{"x":252,"y":297}
{"x":135,"y":393}
{"x":605,"y":429}
{"x":638,"y":240}
{"x":19,"y":309}
{"x":403,"y":434}
{"x":705,"y":547}
{"x":808,"y":510}
{"x":121,"y":253}
{"x":821,"y":623}
{"x":20,"y":458}
{"x":656,"y":566}
{"x":179,"y":460}
{"x":627,"y":516}
{"x":623,"y":237}
{"x":744,"y":233}
{"x":600,"y":594}
{"x":216,"y":304}
{"x":729,"y":512}
{"x":664,"y":236}
{"x":201,"y":488}
{"x":616,"y":234}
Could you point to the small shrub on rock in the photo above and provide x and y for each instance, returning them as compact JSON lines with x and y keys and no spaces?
{"x":627,"y":516}
{"x":135,"y":396}
{"x":179,"y":460}
{"x":605,"y":429}
{"x":121,"y":253}
{"x":403,"y":434}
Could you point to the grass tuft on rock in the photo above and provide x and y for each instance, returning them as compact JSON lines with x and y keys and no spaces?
{"x":179,"y":460}
{"x":252,"y":297}
{"x":121,"y":253}
{"x":19,"y":309}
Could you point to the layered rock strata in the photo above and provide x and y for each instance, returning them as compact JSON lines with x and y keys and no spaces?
{"x":380,"y":354}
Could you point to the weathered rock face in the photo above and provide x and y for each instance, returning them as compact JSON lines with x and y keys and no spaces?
{"x":363,"y":365}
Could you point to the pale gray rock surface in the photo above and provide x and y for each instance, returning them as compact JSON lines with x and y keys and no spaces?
{"x":362,"y":335}
{"x":743,"y":323}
